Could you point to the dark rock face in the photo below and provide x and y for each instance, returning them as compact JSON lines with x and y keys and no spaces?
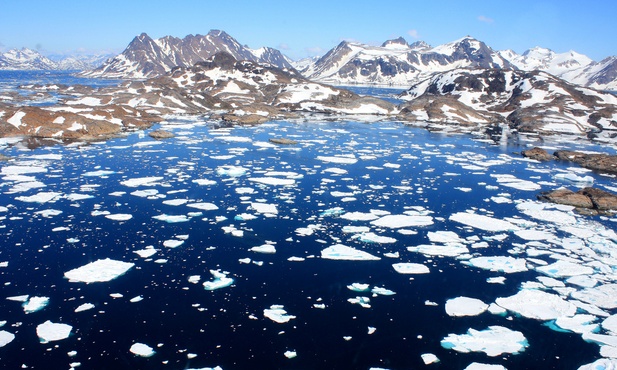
{"x":599,"y":162}
{"x":537,"y":154}
{"x":587,"y":198}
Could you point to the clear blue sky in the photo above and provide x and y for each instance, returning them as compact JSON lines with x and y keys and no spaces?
{"x":308,"y":28}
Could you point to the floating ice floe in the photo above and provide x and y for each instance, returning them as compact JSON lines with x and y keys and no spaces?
{"x":265,"y":248}
{"x":141,"y":181}
{"x":84,"y":307}
{"x":359,"y":216}
{"x":382,"y":291}
{"x":203,"y":206}
{"x":410,"y":268}
{"x":603,"y":296}
{"x":338,"y":159}
{"x":273,"y":181}
{"x":565,"y":269}
{"x":264,"y":208}
{"x":6,"y":338}
{"x":580,"y":181}
{"x":49,"y":331}
{"x":449,"y":250}
{"x":493,"y":341}
{"x":480,"y":366}
{"x":601,"y":364}
{"x":429,"y":358}
{"x":482,"y":222}
{"x":149,"y":251}
{"x":516,"y":183}
{"x":343,"y":252}
{"x":359,"y":287}
{"x":220,"y":280}
{"x":142,"y":350}
{"x":364,"y":302}
{"x":465,"y":306}
{"x":98,"y":271}
{"x":402,"y":221}
{"x":290,"y":354}
{"x":34,"y":304}
{"x":505,"y":264}
{"x":278,"y":314}
{"x":581,"y":324}
{"x":173,"y":243}
{"x":374,"y":238}
{"x":172,"y":219}
{"x":231,"y":171}
{"x":99,"y":173}
{"x":537,"y":304}
{"x":42,"y":197}
{"x":119,"y":217}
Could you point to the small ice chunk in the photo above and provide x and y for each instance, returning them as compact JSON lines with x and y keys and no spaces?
{"x":173,"y":243}
{"x":429,"y":358}
{"x":84,"y":307}
{"x":374,"y":238}
{"x":343,"y":252}
{"x":290,"y":354}
{"x":358,"y":287}
{"x":410,"y":268}
{"x":141,"y":181}
{"x":146,"y":252}
{"x":382,"y":291}
{"x":493,"y":341}
{"x":220,"y":281}
{"x":265,"y":248}
{"x":505,"y":264}
{"x":371,"y":330}
{"x":35,"y":304}
{"x":537,"y":304}
{"x":272,"y":181}
{"x":264,"y":208}
{"x":338,"y":159}
{"x":465,"y":306}
{"x":448,"y":250}
{"x":119,"y":217}
{"x":402,"y":221}
{"x":49,"y":331}
{"x":204,"y":206}
{"x":364,"y":302}
{"x":356,"y":229}
{"x":278,"y":314}
{"x":142,"y":350}
{"x":6,"y":337}
{"x":98,"y":271}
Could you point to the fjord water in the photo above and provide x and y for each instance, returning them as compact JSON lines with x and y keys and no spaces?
{"x":336,"y":168}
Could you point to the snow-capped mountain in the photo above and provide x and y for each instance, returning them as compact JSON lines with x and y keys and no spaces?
{"x":146,"y":57}
{"x":529,"y":101}
{"x":29,"y":60}
{"x":396,"y":62}
{"x":25,"y":59}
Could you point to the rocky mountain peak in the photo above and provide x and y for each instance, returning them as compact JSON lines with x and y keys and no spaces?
{"x":396,"y":43}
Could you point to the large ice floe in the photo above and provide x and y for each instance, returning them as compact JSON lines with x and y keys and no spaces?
{"x":50,"y":331}
{"x":494,"y":341}
{"x":98,"y":271}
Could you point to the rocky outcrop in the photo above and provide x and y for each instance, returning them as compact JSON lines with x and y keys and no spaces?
{"x":161,"y":134}
{"x":599,"y":162}
{"x":538,"y":154}
{"x":587,"y":198}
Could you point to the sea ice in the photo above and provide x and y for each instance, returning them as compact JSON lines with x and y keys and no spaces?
{"x":537,"y":304}
{"x":450,"y":250}
{"x":338,"y":159}
{"x":482,"y":222}
{"x":601,"y":364}
{"x":273,"y":181}
{"x":480,"y":366}
{"x":84,"y":307}
{"x":264,"y":208}
{"x":429,"y":358}
{"x":410,"y":268}
{"x":119,"y":217}
{"x":505,"y":264}
{"x":278,"y":314}
{"x":364,"y":302}
{"x":290,"y":354}
{"x":220,"y":281}
{"x":231,"y":171}
{"x":374,"y":238}
{"x":173,"y":243}
{"x":49,"y":331}
{"x":203,"y":206}
{"x":610,"y":324}
{"x":493,"y":341}
{"x":401,"y":221}
{"x":6,"y":338}
{"x":98,"y":271}
{"x":343,"y":252}
{"x":141,"y":181}
{"x":265,"y":248}
{"x":603,"y":296}
{"x":359,"y":287}
{"x":172,"y":219}
{"x":42,"y":197}
{"x":146,"y":252}
{"x":465,"y":306}
{"x":562,"y":268}
{"x":35,"y":304}
{"x":142,"y":350}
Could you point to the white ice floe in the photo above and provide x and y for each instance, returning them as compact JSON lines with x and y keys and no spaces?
{"x":581,"y":324}
{"x":172,"y":219}
{"x":480,"y":366}
{"x":84,"y":307}
{"x":290,"y":354}
{"x":603,"y":296}
{"x":278,"y":314}
{"x":34,"y":304}
{"x":601,"y":364}
{"x":142,"y":350}
{"x":610,"y":324}
{"x":444,"y":237}
{"x":264,"y":208}
{"x":220,"y":280}
{"x":355,"y":229}
{"x":119,"y":217}
{"x":429,"y":358}
{"x":343,"y":252}
{"x":562,"y":268}
{"x":359,"y":287}
{"x":142,"y":181}
{"x":231,"y":171}
{"x":265,"y":248}
{"x":580,"y":181}
{"x":98,"y":173}
{"x":374,"y":238}
{"x":410,"y":268}
{"x":6,"y":338}
{"x":173,"y":243}
{"x":149,"y":251}
{"x":203,"y":206}
{"x":493,"y":341}
{"x":42,"y":197}
{"x":364,"y":302}
{"x":482,"y":222}
{"x":338,"y":159}
{"x":537,"y":304}
{"x":448,"y":250}
{"x":465,"y":306}
{"x":98,"y":271}
{"x":402,"y":221}
{"x":505,"y":264}
{"x":359,"y":216}
{"x":50,"y":331}
{"x":382,"y":291}
{"x":516,"y":183}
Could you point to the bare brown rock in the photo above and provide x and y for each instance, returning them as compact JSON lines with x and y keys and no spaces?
{"x":598,"y":162}
{"x":602,"y":200}
{"x":161,"y":134}
{"x":538,"y":154}
{"x":567,"y":197}
{"x":283,"y":141}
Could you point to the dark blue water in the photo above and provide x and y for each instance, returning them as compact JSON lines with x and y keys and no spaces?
{"x":226,"y":327}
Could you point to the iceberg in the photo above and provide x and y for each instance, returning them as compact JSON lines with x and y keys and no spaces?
{"x":537,"y":304}
{"x":35,"y":304}
{"x":203,"y":206}
{"x":101,"y":270}
{"x":220,"y":280}
{"x":84,"y":307}
{"x":49,"y":331}
{"x":265,"y":248}
{"x":465,"y":306}
{"x":142,"y":350}
{"x":278,"y":314}
{"x":343,"y":252}
{"x":493,"y":341}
